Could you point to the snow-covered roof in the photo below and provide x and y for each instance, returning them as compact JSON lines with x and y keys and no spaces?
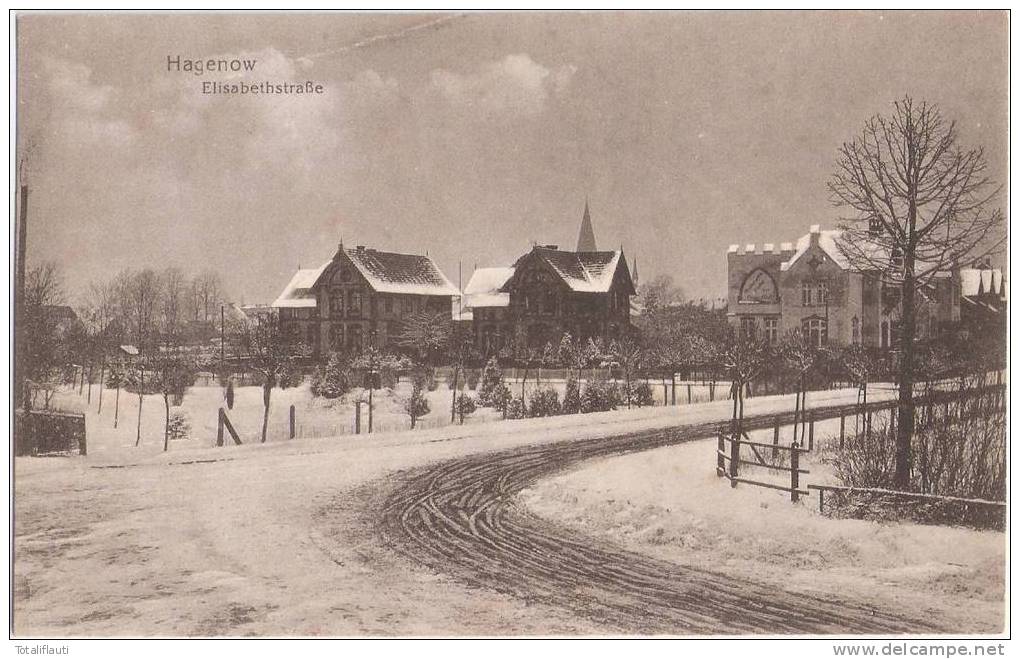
{"x":982,"y":281}
{"x":483,"y":288}
{"x":298,"y":293}
{"x":826,"y":242}
{"x":584,"y":272}
{"x":407,"y":274}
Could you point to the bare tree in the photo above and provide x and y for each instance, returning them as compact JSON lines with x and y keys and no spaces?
{"x":43,"y":346}
{"x":173,"y":302}
{"x":744,"y":359}
{"x":915,"y":203}
{"x":272,"y":357}
{"x":140,"y":292}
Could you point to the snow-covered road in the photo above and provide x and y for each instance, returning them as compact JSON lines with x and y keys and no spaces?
{"x":279,"y":539}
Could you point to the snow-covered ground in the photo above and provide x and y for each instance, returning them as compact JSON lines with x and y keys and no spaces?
{"x":204,"y":540}
{"x":670,"y":504}
{"x":314,"y":417}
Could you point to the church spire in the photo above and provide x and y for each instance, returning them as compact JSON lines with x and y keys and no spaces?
{"x":586,"y":238}
{"x":634,"y":274}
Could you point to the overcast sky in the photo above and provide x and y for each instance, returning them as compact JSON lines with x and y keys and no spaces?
{"x":469,"y":136}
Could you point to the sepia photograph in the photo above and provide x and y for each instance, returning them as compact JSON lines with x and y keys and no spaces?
{"x":511,"y":325}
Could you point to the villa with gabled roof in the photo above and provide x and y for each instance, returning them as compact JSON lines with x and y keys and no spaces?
{"x":359,"y":298}
{"x":548,"y":292}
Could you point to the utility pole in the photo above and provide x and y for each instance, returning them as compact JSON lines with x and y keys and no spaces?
{"x":19,"y":300}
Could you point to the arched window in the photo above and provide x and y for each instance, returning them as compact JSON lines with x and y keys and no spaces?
{"x":855,"y":330}
{"x":758,"y":288}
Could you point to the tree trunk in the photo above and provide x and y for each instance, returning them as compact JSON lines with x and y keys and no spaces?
{"x":672,"y":380}
{"x":102,"y":375}
{"x":905,"y":405}
{"x":453,"y":403}
{"x":116,"y":407}
{"x":88,"y":400}
{"x":138,"y":430}
{"x":267,"y":391}
{"x":166,"y":425}
{"x":626,"y":379}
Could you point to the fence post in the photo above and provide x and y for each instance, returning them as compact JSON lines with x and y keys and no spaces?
{"x":357,"y":417}
{"x":811,"y":432}
{"x":720,"y":469}
{"x":892,"y":421}
{"x":688,"y":393}
{"x":734,"y":459}
{"x":775,"y":442}
{"x":842,"y":431}
{"x":867,"y":424}
{"x":219,"y":427}
{"x":292,"y":422}
{"x":794,"y":472}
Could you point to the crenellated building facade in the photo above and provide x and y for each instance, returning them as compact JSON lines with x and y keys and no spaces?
{"x":809,"y":286}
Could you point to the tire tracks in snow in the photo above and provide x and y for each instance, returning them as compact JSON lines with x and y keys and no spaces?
{"x":462,"y":517}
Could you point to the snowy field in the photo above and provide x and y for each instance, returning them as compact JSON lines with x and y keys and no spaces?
{"x":232,"y":541}
{"x":670,"y":504}
{"x":314,"y":417}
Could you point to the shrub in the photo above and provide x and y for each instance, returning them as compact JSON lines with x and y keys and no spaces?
{"x":492,"y":377}
{"x":417,"y":405}
{"x":179,"y":426}
{"x":472,"y":379}
{"x":332,"y":380}
{"x":500,"y":397}
{"x":544,"y":402}
{"x":641,"y":394}
{"x":572,"y":397}
{"x":515,"y":408}
{"x":963,"y":455}
{"x":600,"y":395}
{"x":465,"y":406}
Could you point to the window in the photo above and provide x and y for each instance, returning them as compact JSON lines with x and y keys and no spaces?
{"x":408,"y":305}
{"x":354,"y":303}
{"x":336,"y":337}
{"x":813,"y":293}
{"x":336,"y":303}
{"x":855,"y":331}
{"x":884,"y":334}
{"x":758,"y":288}
{"x":748,"y":327}
{"x":815,"y":331}
{"x":772,"y":330}
{"x":894,"y":334}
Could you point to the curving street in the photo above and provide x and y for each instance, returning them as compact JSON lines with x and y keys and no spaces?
{"x":461,"y":517}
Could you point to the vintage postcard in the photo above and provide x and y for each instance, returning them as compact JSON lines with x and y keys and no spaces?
{"x":511,"y":324}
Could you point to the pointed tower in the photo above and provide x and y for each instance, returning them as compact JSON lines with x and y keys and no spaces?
{"x":634,"y":274}
{"x":586,"y":238}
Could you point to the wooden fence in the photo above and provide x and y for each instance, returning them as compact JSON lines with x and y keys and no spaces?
{"x":729,"y":461}
{"x":990,"y":398}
